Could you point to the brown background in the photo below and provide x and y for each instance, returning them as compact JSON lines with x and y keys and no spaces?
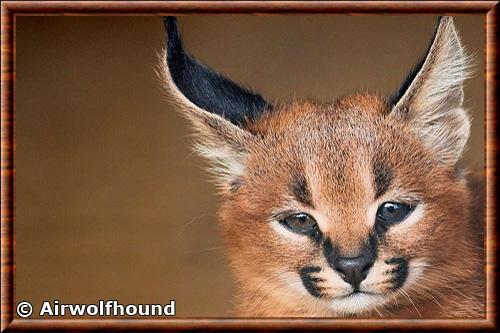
{"x":110,"y":201}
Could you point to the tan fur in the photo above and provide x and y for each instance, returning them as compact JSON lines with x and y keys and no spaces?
{"x":334,"y":146}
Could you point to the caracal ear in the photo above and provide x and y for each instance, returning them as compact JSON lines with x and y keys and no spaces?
{"x":218,"y":108}
{"x":431,"y":97}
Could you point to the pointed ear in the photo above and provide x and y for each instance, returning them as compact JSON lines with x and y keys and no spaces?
{"x":430,"y":99}
{"x":218,"y":108}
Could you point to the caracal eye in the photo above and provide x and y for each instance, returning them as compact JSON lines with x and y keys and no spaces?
{"x":300,"y":223}
{"x":390,"y":213}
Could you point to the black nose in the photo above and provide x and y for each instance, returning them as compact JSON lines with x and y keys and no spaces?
{"x":353,"y":270}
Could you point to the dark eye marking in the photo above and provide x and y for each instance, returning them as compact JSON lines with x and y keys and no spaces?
{"x":309,"y":281}
{"x":382,"y":177}
{"x":300,"y":190}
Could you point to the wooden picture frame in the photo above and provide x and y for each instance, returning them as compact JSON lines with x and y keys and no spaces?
{"x":11,"y":9}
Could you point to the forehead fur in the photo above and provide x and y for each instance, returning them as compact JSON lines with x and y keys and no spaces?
{"x":288,"y":115}
{"x":351,"y":137}
{"x":345,"y":153}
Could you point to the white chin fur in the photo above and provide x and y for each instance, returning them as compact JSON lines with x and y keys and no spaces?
{"x":357,"y":304}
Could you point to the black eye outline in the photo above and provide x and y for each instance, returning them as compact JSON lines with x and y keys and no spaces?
{"x":300,"y":223}
{"x":390,"y":212}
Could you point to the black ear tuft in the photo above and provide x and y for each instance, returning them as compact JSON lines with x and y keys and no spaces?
{"x":206,"y":88}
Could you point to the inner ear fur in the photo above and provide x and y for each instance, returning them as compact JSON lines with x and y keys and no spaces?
{"x":430,"y":100}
